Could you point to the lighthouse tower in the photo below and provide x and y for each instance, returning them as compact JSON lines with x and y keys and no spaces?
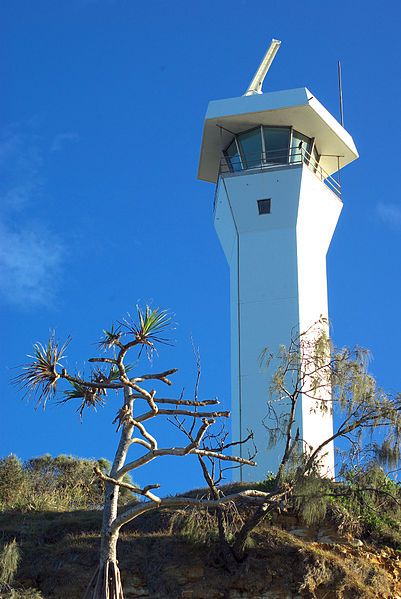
{"x":276,"y":206}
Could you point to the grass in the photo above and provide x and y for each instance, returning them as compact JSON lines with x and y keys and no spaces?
{"x":166,"y":552}
{"x":10,"y":557}
{"x":46,"y":483}
{"x":21,"y":594}
{"x":164,"y":557}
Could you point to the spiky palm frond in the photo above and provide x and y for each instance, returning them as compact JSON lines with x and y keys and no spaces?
{"x":91,"y":397}
{"x":149,"y":326}
{"x":40,"y":376}
{"x":114,"y":373}
{"x":110,"y":338}
{"x":98,"y":375}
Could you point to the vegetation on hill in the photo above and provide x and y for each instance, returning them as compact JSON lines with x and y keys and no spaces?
{"x":343,"y":553}
{"x":365,"y":505}
{"x":229,"y":528}
{"x":46,"y":483}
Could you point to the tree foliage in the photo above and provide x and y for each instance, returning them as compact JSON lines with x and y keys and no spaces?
{"x":367,"y":420}
{"x":59,"y":483}
{"x":366,"y":435}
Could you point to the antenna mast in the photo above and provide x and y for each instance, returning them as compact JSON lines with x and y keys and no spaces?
{"x":340,"y":92}
{"x":255,"y":87}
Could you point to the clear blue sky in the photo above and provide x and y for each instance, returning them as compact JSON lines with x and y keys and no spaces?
{"x":102,"y":110}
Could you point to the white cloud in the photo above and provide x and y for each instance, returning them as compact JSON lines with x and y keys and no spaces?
{"x":63,"y":138}
{"x":18,"y":196}
{"x":21,"y":161}
{"x":29,"y":265}
{"x":30,"y":259}
{"x":390,"y":214}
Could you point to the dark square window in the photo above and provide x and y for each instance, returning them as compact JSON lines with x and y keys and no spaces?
{"x":264,"y":206}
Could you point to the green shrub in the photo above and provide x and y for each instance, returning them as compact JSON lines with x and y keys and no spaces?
{"x":312,"y":497}
{"x":10,"y":557}
{"x":371,"y":505}
{"x":199,"y":525}
{"x":12,"y":479}
{"x":45,"y":483}
{"x":22,"y":594}
{"x":365,"y":503}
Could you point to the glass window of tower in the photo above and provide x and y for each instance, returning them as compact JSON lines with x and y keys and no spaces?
{"x":277,"y":140}
{"x":233,"y":156}
{"x":299,"y":145}
{"x":251,"y":147}
{"x":264,"y":145}
{"x":315,"y":158}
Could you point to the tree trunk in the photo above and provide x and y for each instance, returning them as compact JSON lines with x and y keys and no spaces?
{"x":106,"y":582}
{"x":238,"y":547}
{"x":225,"y":553}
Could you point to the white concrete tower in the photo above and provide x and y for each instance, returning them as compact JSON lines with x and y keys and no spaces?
{"x":275,"y":211}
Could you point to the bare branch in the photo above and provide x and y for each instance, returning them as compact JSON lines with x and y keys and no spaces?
{"x":145,"y":491}
{"x":91,"y":384}
{"x":161,"y":376}
{"x":151,"y":440}
{"x":103,"y":360}
{"x":180,"y":451}
{"x":184,"y":402}
{"x":136,"y":440}
{"x":224,"y":457}
{"x":179,"y":412}
{"x":251,"y":496}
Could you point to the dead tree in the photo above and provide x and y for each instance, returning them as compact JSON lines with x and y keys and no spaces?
{"x":214,"y":469}
{"x":139,"y":406}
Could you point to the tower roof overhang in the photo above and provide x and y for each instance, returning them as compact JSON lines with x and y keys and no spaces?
{"x":297,"y":108}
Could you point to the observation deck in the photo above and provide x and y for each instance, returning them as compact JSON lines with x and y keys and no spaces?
{"x":262,"y":148}
{"x":271,"y":130}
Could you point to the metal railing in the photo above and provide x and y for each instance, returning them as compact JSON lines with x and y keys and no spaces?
{"x":278,"y":158}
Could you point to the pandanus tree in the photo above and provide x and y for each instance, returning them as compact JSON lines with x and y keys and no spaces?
{"x":46,"y":375}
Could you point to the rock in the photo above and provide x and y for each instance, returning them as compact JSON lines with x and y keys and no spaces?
{"x":330,"y":536}
{"x":136,"y":592}
{"x":189,"y":574}
{"x":302,"y":533}
{"x":265,"y":595}
{"x":326,"y":540}
{"x":355,"y":543}
{"x":136,"y":588}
